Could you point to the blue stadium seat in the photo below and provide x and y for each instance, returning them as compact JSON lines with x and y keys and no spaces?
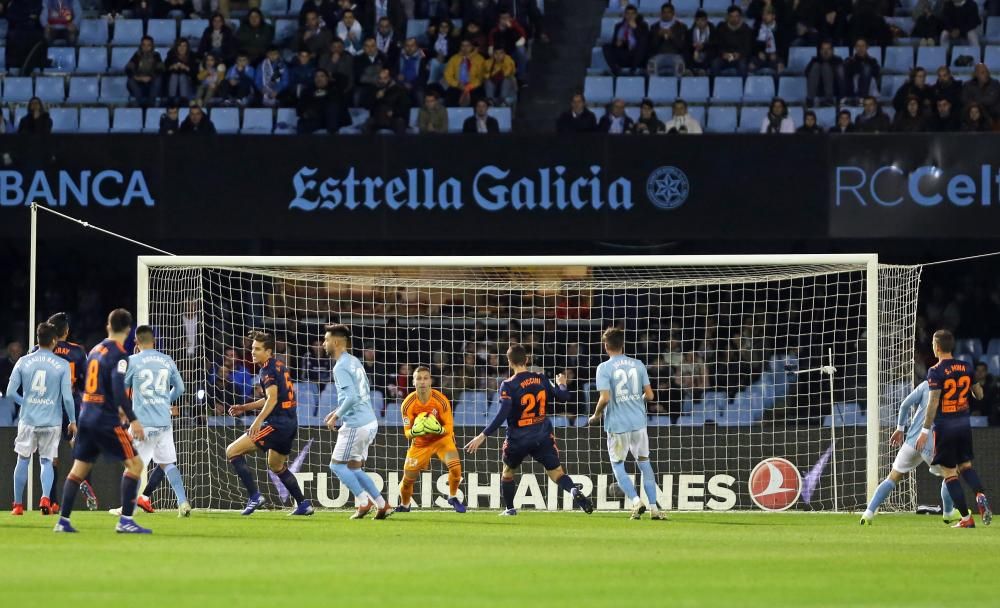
{"x":992,"y":30}
{"x":727,"y":89}
{"x":608,"y":29}
{"x":127,"y":120}
{"x":192,"y":29}
{"x":842,"y":51}
{"x":17,"y":89}
{"x":798,"y":58}
{"x":3,"y":57}
{"x":456,"y":118}
{"x":504,"y":119}
{"x":285,"y":121}
{"x":19,"y":113}
{"x":92,"y":60}
{"x":694,"y":90}
{"x":83,"y":90}
{"x":62,"y":59}
{"x":683,"y":8}
{"x":470,"y":408}
{"x":993,"y":363}
{"x":64,"y":120}
{"x":898,"y":60}
{"x":128,"y":32}
{"x":295,"y":7}
{"x":3,"y":29}
{"x":797,"y":114}
{"x":716,"y":7}
{"x":648,"y":7}
{"x":285,"y":29}
{"x":559,"y":421}
{"x":50,"y":89}
{"x":120,"y":56}
{"x":932,"y":57}
{"x":416,"y":27}
{"x":960,"y":51}
{"x":393,"y":415}
{"x":759,"y":89}
{"x":598,"y":64}
{"x":751,"y":118}
{"x":891,"y":84}
{"x":792,"y":89}
{"x":876,"y":53}
{"x":662,"y":89}
{"x":274,"y":7}
{"x":845,"y":414}
{"x":992,"y":58}
{"x":114,"y":90}
{"x":257,"y":121}
{"x":632,"y":112}
{"x":631,"y":89}
{"x":226,"y":120}
{"x":993,"y":347}
{"x":162,"y":31}
{"x":966,"y":357}
{"x":972,"y":346}
{"x":358,"y":116}
{"x":721,"y":119}
{"x":598,"y":90}
{"x":94,"y":120}
{"x":698,"y":113}
{"x":659,"y":420}
{"x":93,"y":32}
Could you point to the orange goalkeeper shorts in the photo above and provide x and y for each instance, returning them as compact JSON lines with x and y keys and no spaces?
{"x":419,"y":458}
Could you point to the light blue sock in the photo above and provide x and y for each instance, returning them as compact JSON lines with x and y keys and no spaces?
{"x":648,"y":482}
{"x":947,"y":504}
{"x":348,"y":478}
{"x":174,"y":477}
{"x":881,"y":493}
{"x":369,"y":486}
{"x":47,"y":476}
{"x":624,"y":481}
{"x":20,"y":479}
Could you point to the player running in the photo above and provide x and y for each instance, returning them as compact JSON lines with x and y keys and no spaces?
{"x":100,"y":427}
{"x":418,"y":407}
{"x":625,"y":421}
{"x":950,"y":382}
{"x":523,"y":401}
{"x":273,"y":430}
{"x":356,"y":435}
{"x":45,"y":381}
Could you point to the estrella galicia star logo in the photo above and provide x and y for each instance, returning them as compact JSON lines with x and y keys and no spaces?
{"x":668,"y":188}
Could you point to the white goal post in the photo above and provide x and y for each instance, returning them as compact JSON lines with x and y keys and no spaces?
{"x":752,"y":357}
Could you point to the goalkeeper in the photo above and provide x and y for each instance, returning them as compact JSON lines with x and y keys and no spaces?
{"x":428,"y":422}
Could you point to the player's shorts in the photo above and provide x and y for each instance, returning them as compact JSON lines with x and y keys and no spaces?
{"x":419,"y":458}
{"x":111,"y":440}
{"x":908,"y":459}
{"x":952,"y":445}
{"x":620,"y":444}
{"x":158,"y":446}
{"x":43,"y":439}
{"x":544,"y":451}
{"x":353,"y":442}
{"x":277,"y":436}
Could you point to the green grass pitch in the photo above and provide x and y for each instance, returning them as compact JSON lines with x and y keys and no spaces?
{"x":479,"y":559}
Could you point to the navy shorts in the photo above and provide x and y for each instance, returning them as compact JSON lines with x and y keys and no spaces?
{"x":544,"y":451}
{"x":277,"y":437}
{"x":112,"y":441}
{"x":952,"y":445}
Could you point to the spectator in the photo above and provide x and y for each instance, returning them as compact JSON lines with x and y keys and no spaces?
{"x":777,"y":119}
{"x":443,"y":41}
{"x":944,"y":119}
{"x":578,"y":118}
{"x":431,"y":9}
{"x":844,"y":124}
{"x":511,"y":37}
{"x":314,"y":37}
{"x":832,"y":24}
{"x":809,"y":124}
{"x":989,"y":405}
{"x":337,"y":61}
{"x":391,"y":108}
{"x":464,"y":76}
{"x":393,"y":10}
{"x":37,"y":120}
{"x":238,"y":87}
{"x":702,"y":44}
{"x":210,"y":76}
{"x":271,"y":78}
{"x":328,"y":10}
{"x":302,"y":72}
{"x":872,"y":119}
{"x":627,"y":48}
{"x":927,"y":27}
{"x":367,"y":65}
{"x":680,"y":121}
{"x":480,"y":11}
{"x":481,"y":122}
{"x":315,"y":366}
{"x":805,"y":35}
{"x":25,"y":34}
{"x":915,"y":86}
{"x":181,"y":67}
{"x":947,"y":86}
{"x":60,"y":18}
{"x":734,"y":44}
{"x":255,"y":36}
{"x":668,"y":43}
{"x":474,"y":34}
{"x":197,"y":123}
{"x":861,"y":71}
{"x":230,"y":381}
{"x":498,"y":78}
{"x":975,"y":119}
{"x":218,"y":40}
{"x":866,"y":23}
{"x":15,"y":350}
{"x":349,"y":30}
{"x":983,"y":90}
{"x":144,"y":70}
{"x":615,"y":121}
{"x":961,"y":22}
{"x":913,"y":118}
{"x":433,"y":117}
{"x":767,"y":52}
{"x":648,"y":123}
{"x":825,"y":76}
{"x":323,"y":105}
{"x":412,"y":71}
{"x":386,"y":40}
{"x":349,"y":5}
{"x":170,"y":121}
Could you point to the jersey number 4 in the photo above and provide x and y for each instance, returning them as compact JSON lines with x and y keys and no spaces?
{"x":38,"y":383}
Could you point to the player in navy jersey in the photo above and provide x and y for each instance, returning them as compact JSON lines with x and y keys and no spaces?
{"x":273,"y":430}
{"x":950,"y":382}
{"x":524,"y":399}
{"x":100,"y":430}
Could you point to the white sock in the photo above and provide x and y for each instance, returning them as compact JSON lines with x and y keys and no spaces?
{"x":379,"y":501}
{"x":636,"y":502}
{"x":868,"y":514}
{"x":362,"y":500}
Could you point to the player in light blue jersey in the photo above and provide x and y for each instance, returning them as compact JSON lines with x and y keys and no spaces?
{"x":45,"y":383}
{"x":356,"y":435}
{"x":156,"y":384}
{"x":625,"y":389}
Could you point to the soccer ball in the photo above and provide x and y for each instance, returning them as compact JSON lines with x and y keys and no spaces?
{"x":615,"y":491}
{"x":432,"y":425}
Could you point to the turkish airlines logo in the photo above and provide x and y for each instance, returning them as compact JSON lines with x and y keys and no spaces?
{"x":775,"y":484}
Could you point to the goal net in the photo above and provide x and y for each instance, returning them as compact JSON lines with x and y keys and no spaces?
{"x":751,"y":358}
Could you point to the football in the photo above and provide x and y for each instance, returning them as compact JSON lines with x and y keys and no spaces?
{"x":433,"y":425}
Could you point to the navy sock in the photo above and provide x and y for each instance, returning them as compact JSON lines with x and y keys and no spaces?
{"x":507,"y":491}
{"x":291,"y":484}
{"x":566,"y":483}
{"x":70,"y":490}
{"x":130,"y":488}
{"x":243,"y":472}
{"x":972,"y":479}
{"x":154,"y":481}
{"x":957,"y":495}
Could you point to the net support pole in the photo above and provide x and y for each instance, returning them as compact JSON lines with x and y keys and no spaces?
{"x":874,"y":405}
{"x":142,"y":295}
{"x":831,"y":371}
{"x":32,"y":291}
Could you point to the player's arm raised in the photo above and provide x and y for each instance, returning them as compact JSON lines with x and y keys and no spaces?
{"x":932,"y":408}
{"x":67,"y":401}
{"x":270,"y":401}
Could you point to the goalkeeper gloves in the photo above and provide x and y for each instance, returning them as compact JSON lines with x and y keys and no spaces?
{"x":418,"y":426}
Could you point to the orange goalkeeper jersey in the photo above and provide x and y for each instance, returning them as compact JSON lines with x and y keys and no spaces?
{"x":438,"y":406}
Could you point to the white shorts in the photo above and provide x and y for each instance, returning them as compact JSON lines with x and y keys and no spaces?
{"x":620,"y":444}
{"x":158,"y":446}
{"x":908,"y":459}
{"x":353,"y":443}
{"x":43,"y":439}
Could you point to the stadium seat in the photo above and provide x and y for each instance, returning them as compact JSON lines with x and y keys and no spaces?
{"x":694,"y":90}
{"x":416,"y":27}
{"x":751,"y":118}
{"x":295,"y":7}
{"x":797,"y":114}
{"x":226,"y":120}
{"x":721,"y":119}
{"x":559,"y":421}
{"x":845,"y":414}
{"x":696,"y":112}
{"x":327,"y":400}
{"x":979,"y":422}
{"x":504,"y":119}
{"x":358,"y":116}
{"x":127,"y":120}
{"x":992,"y":30}
{"x":891,"y":84}
{"x":792,"y":89}
{"x":993,"y":347}
{"x":727,"y":89}
{"x":659,"y":420}
{"x":759,"y":89}
{"x":972,"y":346}
{"x":61,"y":59}
{"x":285,"y":122}
{"x":162,"y":31}
{"x":3,"y":29}
{"x":285,"y":29}
{"x":958,"y":52}
{"x":3,"y":57}
{"x":932,"y":57}
{"x":716,"y":7}
{"x":93,"y":32}
{"x":991,"y":57}
{"x":608,"y":29}
{"x":683,"y":8}
{"x":127,"y":32}
{"x":798,"y":58}
{"x":64,"y":120}
{"x":993,"y":363}
{"x":120,"y":56}
{"x":192,"y":29}
{"x":598,"y":64}
{"x":393,"y":415}
{"x":662,"y":89}
{"x":898,"y":60}
{"x":17,"y":89}
{"x":876,"y":53}
{"x":94,"y":120}
{"x":470,"y":409}
{"x":50,"y":89}
{"x":257,"y":121}
{"x":630,"y":89}
{"x":966,"y":357}
{"x":378,"y":403}
{"x":598,"y":90}
{"x":114,"y":90}
{"x":92,"y":60}
{"x":83,"y":90}
{"x":456,"y":118}
{"x":306,"y":414}
{"x":274,"y":8}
